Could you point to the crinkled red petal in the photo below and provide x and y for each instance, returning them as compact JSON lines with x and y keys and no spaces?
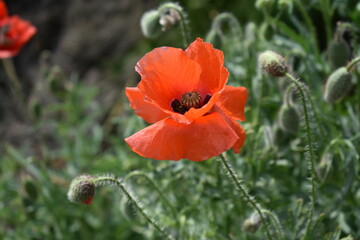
{"x":205,"y":137}
{"x":232,"y":101}
{"x":144,"y":109}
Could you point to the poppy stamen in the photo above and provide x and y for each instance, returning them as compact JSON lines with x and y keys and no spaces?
{"x":191,"y":100}
{"x":177,"y":107}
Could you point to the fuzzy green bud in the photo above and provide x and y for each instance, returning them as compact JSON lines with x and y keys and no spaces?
{"x":169,"y":18}
{"x":338,"y":85}
{"x":252,"y":223}
{"x":82,"y":189}
{"x":272,"y":63}
{"x":289,"y":119}
{"x":150,"y":25}
{"x":263,"y":4}
{"x":286,"y":4}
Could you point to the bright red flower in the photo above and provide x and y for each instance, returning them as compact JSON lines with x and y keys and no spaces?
{"x":14,"y":33}
{"x":184,"y":94}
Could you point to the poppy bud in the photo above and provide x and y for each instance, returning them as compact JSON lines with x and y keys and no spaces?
{"x":150,"y":25}
{"x":274,"y":64}
{"x":82,"y":189}
{"x":337,"y":85}
{"x":252,"y":223}
{"x":286,"y":4}
{"x":263,"y":4}
{"x":339,"y":53}
{"x":169,"y":18}
{"x":289,"y":120}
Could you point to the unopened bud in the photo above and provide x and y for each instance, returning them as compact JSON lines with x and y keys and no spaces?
{"x":82,"y":189}
{"x":274,"y":64}
{"x":150,"y":25}
{"x":252,"y":223}
{"x":339,"y":53}
{"x":338,"y":85}
{"x":169,"y":18}
{"x":289,"y":120}
{"x":263,"y":4}
{"x":286,"y":4}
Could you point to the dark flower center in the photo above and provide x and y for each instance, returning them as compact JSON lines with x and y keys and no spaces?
{"x":189,"y":100}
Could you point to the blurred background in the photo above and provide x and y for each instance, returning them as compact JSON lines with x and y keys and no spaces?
{"x":74,"y":117}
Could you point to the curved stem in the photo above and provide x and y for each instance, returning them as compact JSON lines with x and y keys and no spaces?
{"x":310,"y":146}
{"x":233,"y":23}
{"x":117,"y":182}
{"x":352,"y":63}
{"x":165,"y":200}
{"x":184,"y":22}
{"x":247,"y":197}
{"x":276,"y":222}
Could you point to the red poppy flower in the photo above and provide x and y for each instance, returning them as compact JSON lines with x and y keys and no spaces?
{"x":14,"y":33}
{"x":183,"y":94}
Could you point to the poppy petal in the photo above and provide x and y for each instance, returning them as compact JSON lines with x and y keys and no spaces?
{"x":144,"y":109}
{"x":232,"y":102}
{"x":24,"y":28}
{"x":3,"y":10}
{"x":167,"y":73}
{"x":236,"y":128}
{"x":241,"y":134}
{"x":214,"y":75}
{"x":194,"y":113}
{"x":167,"y":139}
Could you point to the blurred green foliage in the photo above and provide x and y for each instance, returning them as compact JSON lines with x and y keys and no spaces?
{"x":86,"y":138}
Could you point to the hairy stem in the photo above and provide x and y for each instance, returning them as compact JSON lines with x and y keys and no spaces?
{"x":310,"y":150}
{"x":247,"y":197}
{"x":157,"y":189}
{"x":276,"y":223}
{"x":122,"y":187}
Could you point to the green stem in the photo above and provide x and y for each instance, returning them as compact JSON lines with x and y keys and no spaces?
{"x":15,"y":83}
{"x":352,"y":63}
{"x":248,"y":198}
{"x":276,"y":222}
{"x":153,"y":184}
{"x":184,"y":22}
{"x":310,"y":25}
{"x":111,"y":180}
{"x":327,"y":14}
{"x":220,"y":19}
{"x":310,"y":146}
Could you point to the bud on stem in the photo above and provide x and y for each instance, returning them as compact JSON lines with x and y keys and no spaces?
{"x":272,"y":63}
{"x":82,"y":189}
{"x":337,"y":85}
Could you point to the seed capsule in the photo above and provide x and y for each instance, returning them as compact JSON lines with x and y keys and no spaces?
{"x":191,"y":100}
{"x":338,"y":85}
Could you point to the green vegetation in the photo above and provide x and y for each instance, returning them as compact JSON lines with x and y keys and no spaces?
{"x":197,"y":200}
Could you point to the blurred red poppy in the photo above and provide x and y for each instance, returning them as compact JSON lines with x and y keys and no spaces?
{"x":184,"y":94}
{"x":14,"y":33}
